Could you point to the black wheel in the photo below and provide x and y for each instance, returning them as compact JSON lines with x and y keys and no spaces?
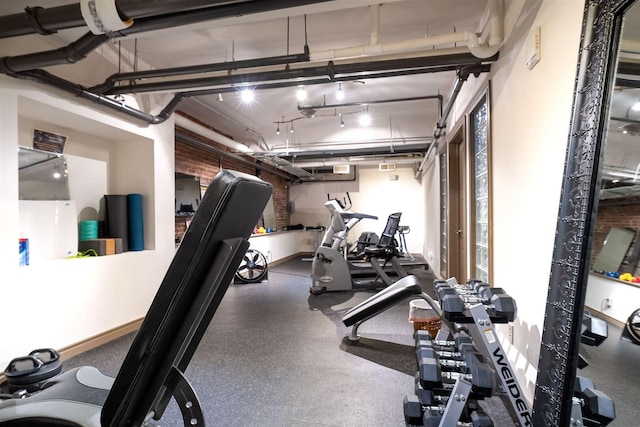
{"x":633,"y":326}
{"x":253,"y":267}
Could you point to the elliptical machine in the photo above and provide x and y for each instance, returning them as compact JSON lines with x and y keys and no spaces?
{"x":331,"y":271}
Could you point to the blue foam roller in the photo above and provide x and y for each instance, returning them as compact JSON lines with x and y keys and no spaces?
{"x":136,"y":230}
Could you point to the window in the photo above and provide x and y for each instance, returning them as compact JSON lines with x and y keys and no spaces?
{"x":443,"y":214}
{"x":480,"y":185}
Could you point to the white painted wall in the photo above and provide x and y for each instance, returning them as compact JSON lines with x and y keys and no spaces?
{"x":374,"y":193}
{"x":280,"y":245}
{"x":530,"y":113}
{"x":57,"y":303}
{"x":624,"y":298}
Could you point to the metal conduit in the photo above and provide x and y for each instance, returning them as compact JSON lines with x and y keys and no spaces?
{"x":382,"y":101}
{"x":110,"y":82}
{"x":463,"y":75}
{"x":330,"y":70}
{"x":317,"y":81}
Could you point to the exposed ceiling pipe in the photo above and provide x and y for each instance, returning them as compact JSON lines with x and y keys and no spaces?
{"x":364,"y":149}
{"x":441,"y":125}
{"x":479,"y":50}
{"x":360,"y":162}
{"x":78,"y":50}
{"x":382,"y":101}
{"x":330,"y":71}
{"x":110,"y":82}
{"x":196,"y":128}
{"x":317,"y":81}
{"x":375,"y":23}
{"x":49,"y":20}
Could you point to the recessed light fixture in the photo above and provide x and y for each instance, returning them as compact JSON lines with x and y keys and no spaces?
{"x":246,"y":95}
{"x":364,"y":119}
{"x":301,"y":94}
{"x":340,"y":93}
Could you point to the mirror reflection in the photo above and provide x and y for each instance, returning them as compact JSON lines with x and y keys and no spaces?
{"x":42,"y":175}
{"x":613,"y":291}
{"x":187,"y":194}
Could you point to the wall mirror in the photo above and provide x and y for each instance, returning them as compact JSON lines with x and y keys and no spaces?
{"x":187,"y":194}
{"x":602,"y":164}
{"x":269,"y":216}
{"x":42,"y":175}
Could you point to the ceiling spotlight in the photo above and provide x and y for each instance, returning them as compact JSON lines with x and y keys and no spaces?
{"x":278,"y":129}
{"x":246,"y":95}
{"x":291,"y":130}
{"x":301,"y":94}
{"x":364,"y":119}
{"x":341,"y":121}
{"x":56,"y":173}
{"x":340,"y":93}
{"x":220,"y":97}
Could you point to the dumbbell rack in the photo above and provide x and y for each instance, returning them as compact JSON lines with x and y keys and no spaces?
{"x":485,"y":340}
{"x":478,"y":322}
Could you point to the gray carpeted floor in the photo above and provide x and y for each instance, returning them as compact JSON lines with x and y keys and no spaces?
{"x":274,"y":355}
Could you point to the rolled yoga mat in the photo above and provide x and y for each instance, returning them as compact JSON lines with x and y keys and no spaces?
{"x":116,"y":223}
{"x":136,"y":231}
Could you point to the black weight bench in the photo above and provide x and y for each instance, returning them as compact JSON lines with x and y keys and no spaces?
{"x":152,"y":371}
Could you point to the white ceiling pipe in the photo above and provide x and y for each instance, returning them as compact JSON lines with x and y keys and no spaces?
{"x":387,"y":48}
{"x":375,"y":23}
{"x":496,"y":33}
{"x":337,"y":162}
{"x":495,"y":23}
{"x":278,"y":150}
{"x":194,"y":127}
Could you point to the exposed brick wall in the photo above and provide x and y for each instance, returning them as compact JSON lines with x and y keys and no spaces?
{"x":615,"y":215}
{"x":206,"y":164}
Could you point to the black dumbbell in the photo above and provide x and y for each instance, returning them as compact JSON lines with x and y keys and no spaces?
{"x":462,"y":361}
{"x":416,"y":412}
{"x":481,"y":293}
{"x":598,"y":409}
{"x":481,"y":376}
{"x":424,"y":338}
{"x":594,"y":330}
{"x":436,"y":352}
{"x":501,"y":308}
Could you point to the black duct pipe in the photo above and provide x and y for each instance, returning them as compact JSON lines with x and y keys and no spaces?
{"x":70,"y":54}
{"x":463,"y":75}
{"x":77,"y":90}
{"x":310,"y":82}
{"x":50,"y":20}
{"x":359,"y":70}
{"x":382,"y":101}
{"x":110,"y":82}
{"x":81,"y":48}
